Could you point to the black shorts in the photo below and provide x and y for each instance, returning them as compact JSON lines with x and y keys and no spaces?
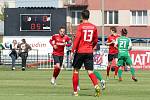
{"x":83,"y":58}
{"x":58,"y":59}
{"x":111,"y":56}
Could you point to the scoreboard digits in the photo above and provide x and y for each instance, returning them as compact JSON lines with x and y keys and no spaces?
{"x":35,"y":22}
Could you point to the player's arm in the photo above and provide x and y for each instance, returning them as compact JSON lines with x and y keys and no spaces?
{"x":29,"y":47}
{"x":95,"y":38}
{"x":130,"y":45}
{"x":116,"y":44}
{"x":52,"y":42}
{"x":109,"y":42}
{"x":69,"y":42}
{"x":76,"y":40}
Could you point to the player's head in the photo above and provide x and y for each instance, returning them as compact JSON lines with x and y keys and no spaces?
{"x":113,"y":29}
{"x":124,"y":32}
{"x":85,"y":14}
{"x":62,"y":31}
{"x":15,"y":41}
{"x":23,"y":41}
{"x":81,"y":21}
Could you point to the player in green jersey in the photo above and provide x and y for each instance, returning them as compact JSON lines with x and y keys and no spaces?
{"x":124,"y":45}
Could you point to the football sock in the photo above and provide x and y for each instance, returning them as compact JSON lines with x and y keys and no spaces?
{"x":75,"y":79}
{"x":98,"y":75}
{"x":93,"y":78}
{"x":108,"y":70}
{"x":116,"y":70}
{"x":119,"y":73}
{"x":132,"y":71}
{"x":56,"y":72}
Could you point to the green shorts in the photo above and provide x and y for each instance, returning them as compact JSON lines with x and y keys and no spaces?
{"x":124,"y":59}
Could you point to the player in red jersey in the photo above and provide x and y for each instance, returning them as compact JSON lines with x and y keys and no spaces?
{"x":58,"y":41}
{"x":85,"y":40}
{"x":113,"y":52}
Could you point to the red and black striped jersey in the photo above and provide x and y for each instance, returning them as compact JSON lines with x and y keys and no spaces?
{"x":86,"y":38}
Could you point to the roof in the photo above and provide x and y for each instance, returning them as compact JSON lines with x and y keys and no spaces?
{"x":36,"y":3}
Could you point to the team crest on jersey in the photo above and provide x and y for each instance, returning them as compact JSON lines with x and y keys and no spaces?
{"x":63,"y":40}
{"x":57,"y":39}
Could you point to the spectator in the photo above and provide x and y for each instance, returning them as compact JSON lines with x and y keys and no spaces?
{"x":13,"y":53}
{"x":24,"y":48}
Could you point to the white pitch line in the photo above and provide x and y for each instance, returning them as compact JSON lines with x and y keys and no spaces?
{"x":19,"y":94}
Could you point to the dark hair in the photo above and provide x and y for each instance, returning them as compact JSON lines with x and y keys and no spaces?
{"x":81,"y":21}
{"x":124,"y":31}
{"x":85,"y":14}
{"x":23,"y":40}
{"x":113,"y":29}
{"x":62,"y":27}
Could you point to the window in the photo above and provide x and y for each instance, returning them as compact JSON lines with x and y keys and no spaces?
{"x":76,"y":17}
{"x":111,"y":17}
{"x":139,"y":17}
{"x":72,"y":1}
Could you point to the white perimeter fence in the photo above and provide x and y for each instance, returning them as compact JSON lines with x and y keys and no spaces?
{"x":45,"y":61}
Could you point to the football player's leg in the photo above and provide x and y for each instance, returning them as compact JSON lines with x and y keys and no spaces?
{"x":75,"y":80}
{"x":57,"y":68}
{"x":77,"y":63}
{"x":100,"y":78}
{"x":98,"y":75}
{"x":110,"y":58}
{"x":129,"y":63}
{"x":120,"y":65}
{"x":95,"y":82}
{"x":116,"y":67}
{"x":88,"y":62}
{"x":73,"y":64}
{"x":108,"y":68}
{"x":56,"y":72}
{"x":132,"y":70}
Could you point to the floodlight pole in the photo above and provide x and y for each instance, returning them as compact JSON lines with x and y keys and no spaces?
{"x":102,"y":4}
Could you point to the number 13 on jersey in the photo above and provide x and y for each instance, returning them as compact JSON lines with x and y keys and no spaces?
{"x":88,"y":35}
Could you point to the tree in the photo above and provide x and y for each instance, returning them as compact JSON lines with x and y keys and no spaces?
{"x":2,"y":10}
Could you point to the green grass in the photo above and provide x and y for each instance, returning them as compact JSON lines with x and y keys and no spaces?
{"x":35,"y":84}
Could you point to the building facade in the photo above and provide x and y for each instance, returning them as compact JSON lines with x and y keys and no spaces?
{"x":131,"y":14}
{"x":37,"y":3}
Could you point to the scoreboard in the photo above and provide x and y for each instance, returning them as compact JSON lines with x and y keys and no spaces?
{"x":35,"y":22}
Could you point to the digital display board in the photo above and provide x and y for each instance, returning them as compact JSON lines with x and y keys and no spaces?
{"x":35,"y":22}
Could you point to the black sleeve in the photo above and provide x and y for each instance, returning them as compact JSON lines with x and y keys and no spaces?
{"x":10,"y":46}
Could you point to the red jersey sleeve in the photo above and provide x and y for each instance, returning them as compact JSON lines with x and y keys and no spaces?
{"x":108,"y":40}
{"x":52,"y":40}
{"x":67,"y":40}
{"x":77,"y":39}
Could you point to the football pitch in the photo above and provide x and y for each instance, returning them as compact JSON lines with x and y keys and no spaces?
{"x":34,"y":84}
